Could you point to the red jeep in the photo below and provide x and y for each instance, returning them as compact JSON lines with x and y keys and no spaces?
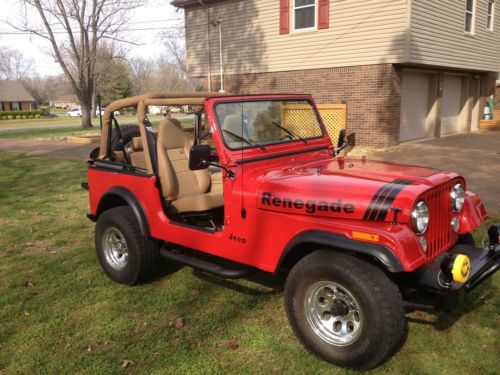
{"x":258,"y":186}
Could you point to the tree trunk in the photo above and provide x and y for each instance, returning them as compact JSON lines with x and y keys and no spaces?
{"x":86,"y":115}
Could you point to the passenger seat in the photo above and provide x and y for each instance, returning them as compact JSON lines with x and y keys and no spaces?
{"x":187,"y":190}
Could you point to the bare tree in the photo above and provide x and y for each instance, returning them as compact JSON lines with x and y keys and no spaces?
{"x":14,"y":65}
{"x":75,"y":29}
{"x":173,"y":41}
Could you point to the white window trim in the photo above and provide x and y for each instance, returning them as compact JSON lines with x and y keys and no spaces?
{"x":473,"y":13}
{"x":491,"y":16}
{"x":315,"y":27}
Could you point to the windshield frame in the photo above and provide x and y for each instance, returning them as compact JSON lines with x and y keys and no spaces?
{"x":270,"y":99}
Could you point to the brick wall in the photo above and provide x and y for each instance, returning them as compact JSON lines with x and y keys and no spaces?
{"x":372,"y":94}
{"x":25,"y":106}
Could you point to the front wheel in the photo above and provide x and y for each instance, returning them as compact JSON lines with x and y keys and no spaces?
{"x":344,"y":309}
{"x":125,"y":255}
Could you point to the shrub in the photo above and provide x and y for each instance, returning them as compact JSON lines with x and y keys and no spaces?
{"x":9,"y":115}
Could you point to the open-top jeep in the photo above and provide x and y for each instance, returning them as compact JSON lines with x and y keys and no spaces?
{"x":253,"y":188}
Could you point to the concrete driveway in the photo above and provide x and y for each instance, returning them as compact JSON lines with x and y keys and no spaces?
{"x":474,"y":155}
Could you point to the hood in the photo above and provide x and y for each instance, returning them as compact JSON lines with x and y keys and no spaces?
{"x":348,"y":188}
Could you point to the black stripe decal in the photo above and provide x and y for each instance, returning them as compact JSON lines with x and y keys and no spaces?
{"x":384,"y":197}
{"x":390,"y":199}
{"x":377,"y":198}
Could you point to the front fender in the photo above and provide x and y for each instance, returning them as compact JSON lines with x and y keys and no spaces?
{"x":473,"y":213}
{"x":378,"y":252}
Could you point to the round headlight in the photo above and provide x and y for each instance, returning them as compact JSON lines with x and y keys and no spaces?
{"x":420,"y":217}
{"x":457,"y":196}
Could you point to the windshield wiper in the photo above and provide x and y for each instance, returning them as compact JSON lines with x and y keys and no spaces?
{"x":289,"y":132}
{"x":243,"y":139}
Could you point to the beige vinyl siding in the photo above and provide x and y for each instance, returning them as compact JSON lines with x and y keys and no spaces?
{"x":438,"y":35}
{"x":360,"y":33}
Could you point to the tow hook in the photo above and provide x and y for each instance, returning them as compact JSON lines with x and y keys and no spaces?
{"x":494,"y":237}
{"x":456,"y":267}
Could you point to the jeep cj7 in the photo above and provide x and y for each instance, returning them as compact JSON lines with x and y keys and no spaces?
{"x":263,"y":190}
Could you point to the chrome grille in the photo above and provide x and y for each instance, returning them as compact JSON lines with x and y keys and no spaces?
{"x":440,"y":236}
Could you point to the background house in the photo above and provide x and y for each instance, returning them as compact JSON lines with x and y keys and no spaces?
{"x":65,"y":101}
{"x":407,"y":69}
{"x":14,"y":97}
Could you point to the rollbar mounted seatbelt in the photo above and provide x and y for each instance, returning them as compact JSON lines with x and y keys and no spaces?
{"x":121,"y":145}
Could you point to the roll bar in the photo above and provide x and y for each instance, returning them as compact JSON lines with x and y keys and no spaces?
{"x":142,"y":102}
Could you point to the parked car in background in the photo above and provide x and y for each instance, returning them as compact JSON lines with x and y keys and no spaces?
{"x":75,"y":112}
{"x":116,"y":113}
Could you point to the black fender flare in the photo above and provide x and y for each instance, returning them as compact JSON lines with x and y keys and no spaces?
{"x":131,"y":200}
{"x":378,"y":252}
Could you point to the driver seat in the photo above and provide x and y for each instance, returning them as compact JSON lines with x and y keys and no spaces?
{"x":187,"y":190}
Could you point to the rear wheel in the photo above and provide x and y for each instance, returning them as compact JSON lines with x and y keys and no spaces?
{"x":125,"y":255}
{"x":344,"y":309}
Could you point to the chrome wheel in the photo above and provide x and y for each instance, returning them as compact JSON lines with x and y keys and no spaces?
{"x":115,"y":248}
{"x":333,"y":313}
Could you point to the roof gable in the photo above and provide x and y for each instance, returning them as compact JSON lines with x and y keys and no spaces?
{"x":13,"y":91}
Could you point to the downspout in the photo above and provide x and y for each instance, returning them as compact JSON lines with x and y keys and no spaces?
{"x":208,"y":44}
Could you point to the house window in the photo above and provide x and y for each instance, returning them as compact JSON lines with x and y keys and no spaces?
{"x":304,"y":14}
{"x":491,"y":14}
{"x":469,"y":16}
{"x":15,"y":106}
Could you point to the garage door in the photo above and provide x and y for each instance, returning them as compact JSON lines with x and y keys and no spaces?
{"x":414,"y":106}
{"x":452,"y":104}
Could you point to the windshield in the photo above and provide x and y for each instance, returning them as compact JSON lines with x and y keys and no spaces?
{"x":264,"y":122}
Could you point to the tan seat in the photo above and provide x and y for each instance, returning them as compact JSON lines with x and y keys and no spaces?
{"x":137,"y":157}
{"x":189,"y":191}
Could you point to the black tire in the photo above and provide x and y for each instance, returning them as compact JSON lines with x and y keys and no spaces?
{"x":142,"y":252}
{"x":381,"y":316}
{"x":128,"y":132}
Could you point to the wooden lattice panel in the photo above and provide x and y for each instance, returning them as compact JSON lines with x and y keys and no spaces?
{"x":300,"y":120}
{"x":335,"y":119}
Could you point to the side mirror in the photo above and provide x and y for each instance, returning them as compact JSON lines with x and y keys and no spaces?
{"x":199,"y":157}
{"x":351,"y":139}
{"x":341,"y":140}
{"x":344,"y":141}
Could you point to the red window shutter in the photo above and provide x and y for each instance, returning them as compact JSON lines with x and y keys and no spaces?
{"x":284,"y":16}
{"x":323,"y":14}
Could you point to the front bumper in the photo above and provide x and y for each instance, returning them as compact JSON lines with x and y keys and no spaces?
{"x":483,"y":263}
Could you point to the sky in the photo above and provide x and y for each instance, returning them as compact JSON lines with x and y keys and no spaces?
{"x":155,"y":14}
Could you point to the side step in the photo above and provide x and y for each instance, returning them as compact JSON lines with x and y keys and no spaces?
{"x":203,"y":265}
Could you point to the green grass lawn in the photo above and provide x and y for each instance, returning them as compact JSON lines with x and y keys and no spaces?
{"x":60,"y":315}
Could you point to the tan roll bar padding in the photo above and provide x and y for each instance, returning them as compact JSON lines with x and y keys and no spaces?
{"x":142,"y":101}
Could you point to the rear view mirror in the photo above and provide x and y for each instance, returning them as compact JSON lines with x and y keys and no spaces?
{"x":199,"y":157}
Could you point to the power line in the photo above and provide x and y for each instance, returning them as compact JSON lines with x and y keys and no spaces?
{"x":78,"y":32}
